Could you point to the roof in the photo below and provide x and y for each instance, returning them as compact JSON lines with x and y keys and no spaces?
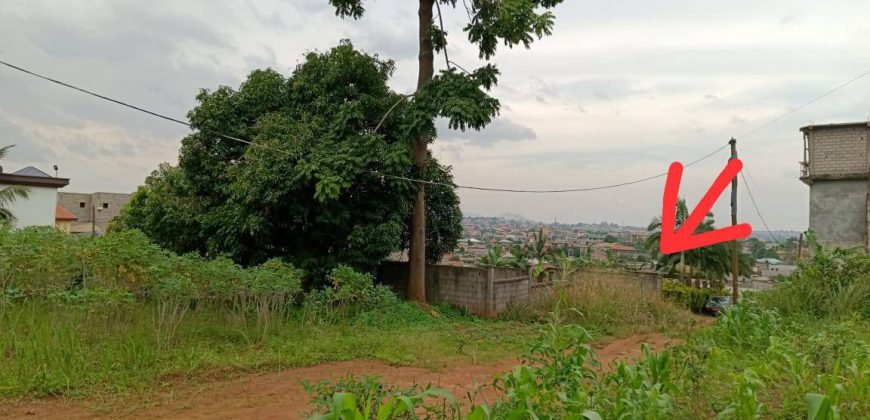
{"x":31,"y":171}
{"x":62,"y":214}
{"x":32,"y":177}
{"x":773,"y":261}
{"x":615,"y":247}
{"x":835,"y":125}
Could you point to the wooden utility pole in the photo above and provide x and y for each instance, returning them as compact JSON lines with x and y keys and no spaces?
{"x":735,"y":271}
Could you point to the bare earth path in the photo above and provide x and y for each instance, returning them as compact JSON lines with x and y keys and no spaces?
{"x":279,"y":395}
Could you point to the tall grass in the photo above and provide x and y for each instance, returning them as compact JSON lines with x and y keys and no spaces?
{"x":601,"y":305}
{"x":106,"y":314}
{"x":833,"y":283}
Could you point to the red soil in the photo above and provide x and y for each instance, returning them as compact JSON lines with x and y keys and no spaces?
{"x":279,"y":395}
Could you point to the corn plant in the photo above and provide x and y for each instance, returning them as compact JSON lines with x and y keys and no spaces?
{"x":746,"y":405}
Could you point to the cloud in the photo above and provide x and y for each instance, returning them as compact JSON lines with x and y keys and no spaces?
{"x":500,"y":130}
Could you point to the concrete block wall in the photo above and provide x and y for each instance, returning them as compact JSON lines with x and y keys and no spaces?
{"x":838,"y":151}
{"x":82,"y":205}
{"x":646,"y":282}
{"x":838,"y":212}
{"x":481,"y":291}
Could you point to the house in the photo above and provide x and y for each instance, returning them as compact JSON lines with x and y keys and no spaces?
{"x":772,"y":267}
{"x":94,"y":211}
{"x":40,"y":206}
{"x":63,"y":219}
{"x":836,"y":167}
{"x":602,"y":251}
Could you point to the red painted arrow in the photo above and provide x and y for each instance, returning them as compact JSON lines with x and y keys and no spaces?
{"x":684,"y":238}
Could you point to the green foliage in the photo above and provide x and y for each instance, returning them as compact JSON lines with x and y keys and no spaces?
{"x":9,"y":195}
{"x":352,"y":398}
{"x":689,"y":297}
{"x":596,"y":304}
{"x":833,"y":283}
{"x":307,"y":189}
{"x":712,"y":262}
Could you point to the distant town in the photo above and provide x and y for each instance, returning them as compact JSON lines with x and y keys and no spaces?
{"x":604,"y":242}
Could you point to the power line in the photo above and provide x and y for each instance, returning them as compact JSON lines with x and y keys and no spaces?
{"x":757,"y":211}
{"x":567,"y":190}
{"x":814,"y":100}
{"x":469,"y":187}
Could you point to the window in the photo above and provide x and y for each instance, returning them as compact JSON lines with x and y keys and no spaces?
{"x":105,"y":205}
{"x":81,"y":204}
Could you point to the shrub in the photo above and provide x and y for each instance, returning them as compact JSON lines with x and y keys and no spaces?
{"x":831,"y":284}
{"x":689,"y":297}
{"x":353,"y":295}
{"x":37,"y":260}
{"x":598,"y":305}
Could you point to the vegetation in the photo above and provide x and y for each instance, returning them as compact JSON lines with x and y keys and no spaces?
{"x":456,"y":94}
{"x":760,"y":360}
{"x":689,"y":297}
{"x":9,"y":195}
{"x":600,"y":307}
{"x":710,"y":262}
{"x":306,"y":189}
{"x":106,"y":314}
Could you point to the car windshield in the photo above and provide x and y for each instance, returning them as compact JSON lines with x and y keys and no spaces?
{"x":720,"y":300}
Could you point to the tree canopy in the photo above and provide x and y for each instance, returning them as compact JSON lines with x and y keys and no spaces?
{"x":317,"y":185}
{"x":455,"y":93}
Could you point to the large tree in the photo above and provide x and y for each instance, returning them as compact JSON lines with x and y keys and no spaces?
{"x":9,"y":195}
{"x":457,"y":94}
{"x":317,"y":185}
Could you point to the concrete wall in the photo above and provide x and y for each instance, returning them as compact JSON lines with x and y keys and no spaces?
{"x":838,"y":212}
{"x":38,"y":209}
{"x":481,"y":291}
{"x":81,"y":205}
{"x":646,"y":282}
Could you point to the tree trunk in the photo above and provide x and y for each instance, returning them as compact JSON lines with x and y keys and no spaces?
{"x":417,"y":247}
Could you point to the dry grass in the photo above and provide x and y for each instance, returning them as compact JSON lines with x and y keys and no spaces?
{"x":605,"y":305}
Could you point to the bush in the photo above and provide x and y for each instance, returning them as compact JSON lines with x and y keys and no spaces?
{"x":598,"y":305}
{"x":832,"y":284}
{"x":689,"y":297}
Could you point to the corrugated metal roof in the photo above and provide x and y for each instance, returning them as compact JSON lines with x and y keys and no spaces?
{"x":31,"y":171}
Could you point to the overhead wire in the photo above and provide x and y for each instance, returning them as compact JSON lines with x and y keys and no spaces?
{"x":398,"y":177}
{"x":470,"y":187}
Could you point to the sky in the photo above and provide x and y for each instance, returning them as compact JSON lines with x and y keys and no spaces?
{"x":618,"y":92}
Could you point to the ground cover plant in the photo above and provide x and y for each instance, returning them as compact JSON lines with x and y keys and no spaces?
{"x":114,"y":314}
{"x":761,"y":359}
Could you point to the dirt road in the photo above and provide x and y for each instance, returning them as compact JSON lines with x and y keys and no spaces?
{"x":279,"y":395}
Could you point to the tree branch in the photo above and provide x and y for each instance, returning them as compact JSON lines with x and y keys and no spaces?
{"x":441,"y":25}
{"x":389,"y":111}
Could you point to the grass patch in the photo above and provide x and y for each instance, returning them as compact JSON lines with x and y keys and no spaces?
{"x":602,"y":308}
{"x":78,"y":350}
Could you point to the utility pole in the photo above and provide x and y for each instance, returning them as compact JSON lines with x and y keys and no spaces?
{"x":735,"y":273}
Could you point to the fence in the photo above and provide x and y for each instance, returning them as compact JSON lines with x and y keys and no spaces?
{"x":481,"y":291}
{"x":645,"y":281}
{"x":489,"y":291}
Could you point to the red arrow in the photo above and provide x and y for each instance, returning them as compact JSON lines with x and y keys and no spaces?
{"x":684,"y":238}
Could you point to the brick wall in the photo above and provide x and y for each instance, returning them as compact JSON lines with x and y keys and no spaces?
{"x":481,"y":291}
{"x":838,"y":151}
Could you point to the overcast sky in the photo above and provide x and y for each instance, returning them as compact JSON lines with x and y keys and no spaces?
{"x":621,"y":89}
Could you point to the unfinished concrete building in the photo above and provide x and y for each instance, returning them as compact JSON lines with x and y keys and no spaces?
{"x":837,"y":169}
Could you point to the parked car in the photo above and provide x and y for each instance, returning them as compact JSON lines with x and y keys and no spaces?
{"x":715,"y":305}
